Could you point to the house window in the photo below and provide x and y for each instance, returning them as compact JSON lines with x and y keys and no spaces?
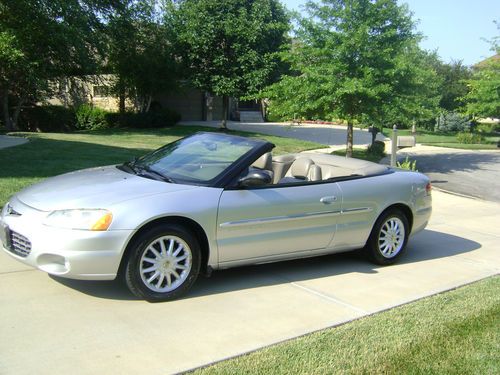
{"x":101,"y":91}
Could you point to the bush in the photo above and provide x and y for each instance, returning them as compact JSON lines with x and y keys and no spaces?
{"x":377,"y":148}
{"x":488,"y":127}
{"x":55,"y":118}
{"x":91,"y":118}
{"x":153,"y":119}
{"x":408,"y":164}
{"x":452,"y":122}
{"x":469,"y":138}
{"x":48,"y":118}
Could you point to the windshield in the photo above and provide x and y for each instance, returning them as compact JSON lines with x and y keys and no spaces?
{"x":197,"y":159}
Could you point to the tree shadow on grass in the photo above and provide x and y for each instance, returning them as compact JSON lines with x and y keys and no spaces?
{"x":42,"y":158}
{"x":427,"y":245}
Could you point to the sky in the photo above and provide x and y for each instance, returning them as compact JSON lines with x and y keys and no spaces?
{"x":455,"y":28}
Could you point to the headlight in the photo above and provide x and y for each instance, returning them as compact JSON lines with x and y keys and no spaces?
{"x":96,"y":220}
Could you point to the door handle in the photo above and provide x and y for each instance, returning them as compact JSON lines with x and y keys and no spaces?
{"x":328,"y":200}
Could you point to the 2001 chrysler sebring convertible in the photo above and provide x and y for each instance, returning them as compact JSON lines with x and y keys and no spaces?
{"x":210,"y":201}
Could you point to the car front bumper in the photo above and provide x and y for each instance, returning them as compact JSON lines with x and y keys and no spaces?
{"x":75,"y":254}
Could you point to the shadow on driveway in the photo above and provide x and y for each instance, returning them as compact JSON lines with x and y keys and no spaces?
{"x":473,"y":173}
{"x":426,"y":245}
{"x":453,"y":162}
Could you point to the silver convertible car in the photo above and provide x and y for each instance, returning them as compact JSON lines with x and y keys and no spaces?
{"x":210,"y":201}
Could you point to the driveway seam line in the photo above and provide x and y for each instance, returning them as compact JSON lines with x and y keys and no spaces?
{"x":329,"y":298}
{"x":9,"y":272}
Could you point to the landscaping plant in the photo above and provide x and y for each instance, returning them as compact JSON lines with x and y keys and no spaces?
{"x":408,"y":164}
{"x":452,"y":122}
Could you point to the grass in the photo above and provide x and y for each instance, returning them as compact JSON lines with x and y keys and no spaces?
{"x":361,"y":153}
{"x":452,"y":333}
{"x":449,"y":140}
{"x":49,"y":154}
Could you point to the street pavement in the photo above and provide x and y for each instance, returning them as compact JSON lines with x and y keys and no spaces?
{"x":474,"y":173}
{"x":331,"y":135}
{"x":56,"y":326}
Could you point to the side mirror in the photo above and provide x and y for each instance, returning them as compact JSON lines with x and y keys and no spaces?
{"x":255,"y":177}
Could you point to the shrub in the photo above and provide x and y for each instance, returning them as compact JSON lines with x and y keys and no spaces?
{"x":408,"y":164}
{"x":273,"y":117}
{"x":469,"y":138}
{"x":488,"y":127}
{"x":377,"y":148}
{"x":153,"y":119}
{"x":48,"y":118}
{"x":91,"y":118}
{"x":452,"y":122}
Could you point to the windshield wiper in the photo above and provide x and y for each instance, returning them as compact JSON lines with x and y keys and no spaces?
{"x":145,"y":171}
{"x":139,"y":170}
{"x":127,"y":167}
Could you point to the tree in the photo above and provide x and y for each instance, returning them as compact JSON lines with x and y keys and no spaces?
{"x":229,"y":47}
{"x":140,"y":52}
{"x":454,"y":84}
{"x":416,"y":91}
{"x":483,"y":98}
{"x":345,"y":59}
{"x":42,"y":40}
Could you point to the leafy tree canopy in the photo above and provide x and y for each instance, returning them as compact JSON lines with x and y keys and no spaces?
{"x":44,"y":39}
{"x":347,"y":60}
{"x":228,"y":47}
{"x":483,"y":99}
{"x":140,"y":50}
{"x":454,"y":86}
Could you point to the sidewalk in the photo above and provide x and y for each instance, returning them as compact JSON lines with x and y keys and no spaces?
{"x":9,"y":141}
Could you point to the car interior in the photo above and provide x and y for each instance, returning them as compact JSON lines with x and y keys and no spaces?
{"x":300,"y":168}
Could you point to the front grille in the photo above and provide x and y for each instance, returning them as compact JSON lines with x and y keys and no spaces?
{"x":20,"y":245}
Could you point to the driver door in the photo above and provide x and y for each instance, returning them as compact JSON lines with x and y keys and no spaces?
{"x":273,"y":222}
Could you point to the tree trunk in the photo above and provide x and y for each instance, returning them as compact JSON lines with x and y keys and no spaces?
{"x":225,"y":105}
{"x":148,"y":103}
{"x":121,"y":102}
{"x":349,"y":139}
{"x":5,"y":109}
{"x":17,"y":111}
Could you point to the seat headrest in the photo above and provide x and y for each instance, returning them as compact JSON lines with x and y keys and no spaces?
{"x":314,"y":173}
{"x":300,"y":167}
{"x":264,"y":162}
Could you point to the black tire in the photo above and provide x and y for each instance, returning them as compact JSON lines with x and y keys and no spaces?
{"x":141,"y":257}
{"x":385,"y":253}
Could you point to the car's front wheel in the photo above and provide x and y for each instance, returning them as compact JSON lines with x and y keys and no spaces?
{"x":163,"y":264}
{"x":388,"y":238}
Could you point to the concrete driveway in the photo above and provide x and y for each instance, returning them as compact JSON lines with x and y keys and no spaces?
{"x":57,"y":326}
{"x":471,"y":172}
{"x":332,"y":135}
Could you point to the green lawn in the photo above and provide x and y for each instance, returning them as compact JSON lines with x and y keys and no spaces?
{"x":448,"y":140}
{"x":49,"y":154}
{"x":457,"y":332}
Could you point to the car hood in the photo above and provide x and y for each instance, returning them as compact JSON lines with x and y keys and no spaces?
{"x":92,"y":188}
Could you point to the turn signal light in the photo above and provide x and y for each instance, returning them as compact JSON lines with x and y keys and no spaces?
{"x":103,"y":223}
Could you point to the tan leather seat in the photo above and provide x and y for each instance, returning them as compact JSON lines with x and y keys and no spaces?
{"x":265,"y":162}
{"x":302,"y":169}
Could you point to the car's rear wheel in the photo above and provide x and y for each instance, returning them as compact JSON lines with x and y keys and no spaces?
{"x":388,"y":238}
{"x":163,"y":264}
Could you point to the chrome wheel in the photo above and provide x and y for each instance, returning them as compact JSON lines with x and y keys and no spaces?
{"x":165,"y":264}
{"x":392,"y":237}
